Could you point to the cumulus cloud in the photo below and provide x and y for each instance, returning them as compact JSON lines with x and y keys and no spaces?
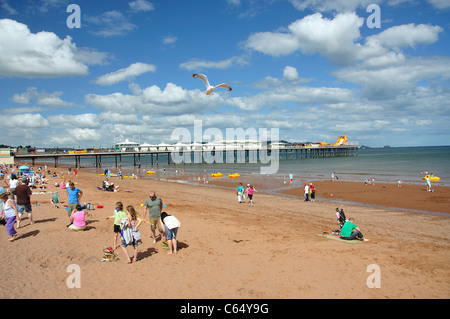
{"x":141,"y":5}
{"x":172,"y":100}
{"x":407,"y":35}
{"x":198,"y":64}
{"x":24,"y":121}
{"x":125,"y":74}
{"x":334,"y":39}
{"x":331,"y":5}
{"x":110,"y":23}
{"x":290,"y":73}
{"x":41,"y":98}
{"x":339,"y":39}
{"x":42,"y":54}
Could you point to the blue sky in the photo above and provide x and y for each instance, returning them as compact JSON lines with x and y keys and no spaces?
{"x":312,"y":69}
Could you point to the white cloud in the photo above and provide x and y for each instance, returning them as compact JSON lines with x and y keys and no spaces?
{"x":24,"y":121}
{"x":170,"y":39}
{"x":41,"y":98}
{"x":111,"y":23}
{"x":42,"y":54}
{"x":141,"y":5}
{"x":331,"y":5}
{"x":198,"y":64}
{"x":394,"y":79}
{"x":440,"y":4}
{"x":290,"y":73}
{"x":407,"y":35}
{"x":339,"y":40}
{"x":334,"y":39}
{"x":172,"y":100}
{"x":125,"y":74}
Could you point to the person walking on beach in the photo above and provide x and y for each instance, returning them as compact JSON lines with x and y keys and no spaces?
{"x":427,"y":179}
{"x":153,"y":206}
{"x":306,"y":192}
{"x":250,"y":191}
{"x":240,"y":193}
{"x":11,"y":215}
{"x":118,"y":215}
{"x":131,"y":233}
{"x":74,"y":195}
{"x":171,"y":225}
{"x":350,"y":231}
{"x":23,"y":195}
{"x":312,"y":192}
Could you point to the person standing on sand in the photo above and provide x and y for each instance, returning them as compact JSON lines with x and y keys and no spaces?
{"x":312,"y":192}
{"x":427,"y":179}
{"x":240,"y":193}
{"x":250,"y":191}
{"x":350,"y":231}
{"x":132,"y":223}
{"x":23,"y":195}
{"x":11,"y":215}
{"x":306,"y":192}
{"x":74,"y":195}
{"x":153,"y":206}
{"x":118,"y":215}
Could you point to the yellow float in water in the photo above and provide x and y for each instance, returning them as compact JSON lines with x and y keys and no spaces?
{"x":234,"y":175}
{"x":432,"y":178}
{"x":150,"y":172}
{"x":218,"y":174}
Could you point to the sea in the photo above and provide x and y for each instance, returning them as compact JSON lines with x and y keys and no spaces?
{"x":386,"y":165}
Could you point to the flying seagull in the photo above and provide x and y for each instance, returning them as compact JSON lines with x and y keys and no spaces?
{"x":209,"y":88}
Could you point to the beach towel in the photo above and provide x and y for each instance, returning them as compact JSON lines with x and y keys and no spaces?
{"x":339,"y":239}
{"x":126,"y":231}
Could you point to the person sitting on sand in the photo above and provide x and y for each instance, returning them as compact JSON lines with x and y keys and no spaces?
{"x":109,"y":186}
{"x":350,"y":231}
{"x":78,"y":218}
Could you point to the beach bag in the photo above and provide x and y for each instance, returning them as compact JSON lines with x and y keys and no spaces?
{"x":89,"y":206}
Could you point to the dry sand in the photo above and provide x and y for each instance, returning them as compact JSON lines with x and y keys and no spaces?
{"x":237,"y":251}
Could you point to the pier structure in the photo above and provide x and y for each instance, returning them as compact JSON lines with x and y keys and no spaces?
{"x":198,"y":155}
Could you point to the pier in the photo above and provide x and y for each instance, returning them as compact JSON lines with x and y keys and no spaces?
{"x":198,"y":155}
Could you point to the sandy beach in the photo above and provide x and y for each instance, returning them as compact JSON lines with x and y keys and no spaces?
{"x":238,"y":251}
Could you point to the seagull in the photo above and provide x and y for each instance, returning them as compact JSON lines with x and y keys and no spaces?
{"x":209,"y":88}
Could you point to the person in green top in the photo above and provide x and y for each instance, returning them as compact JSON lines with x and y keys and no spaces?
{"x":350,"y":231}
{"x":55,"y":198}
{"x":118,"y":215}
{"x":153,"y":206}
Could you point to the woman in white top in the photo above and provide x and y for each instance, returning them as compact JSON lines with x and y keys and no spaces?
{"x":11,"y":215}
{"x":12,"y":186}
{"x":170,"y":225}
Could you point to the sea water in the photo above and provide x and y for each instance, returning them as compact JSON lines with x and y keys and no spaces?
{"x":387,"y":165}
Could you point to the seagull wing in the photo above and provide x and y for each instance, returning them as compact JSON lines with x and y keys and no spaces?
{"x":204,"y":79}
{"x":223,"y":85}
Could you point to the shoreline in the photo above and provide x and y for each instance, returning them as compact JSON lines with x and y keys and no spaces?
{"x":408,"y":197}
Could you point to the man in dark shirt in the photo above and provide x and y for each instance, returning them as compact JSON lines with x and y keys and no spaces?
{"x":23,"y":194}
